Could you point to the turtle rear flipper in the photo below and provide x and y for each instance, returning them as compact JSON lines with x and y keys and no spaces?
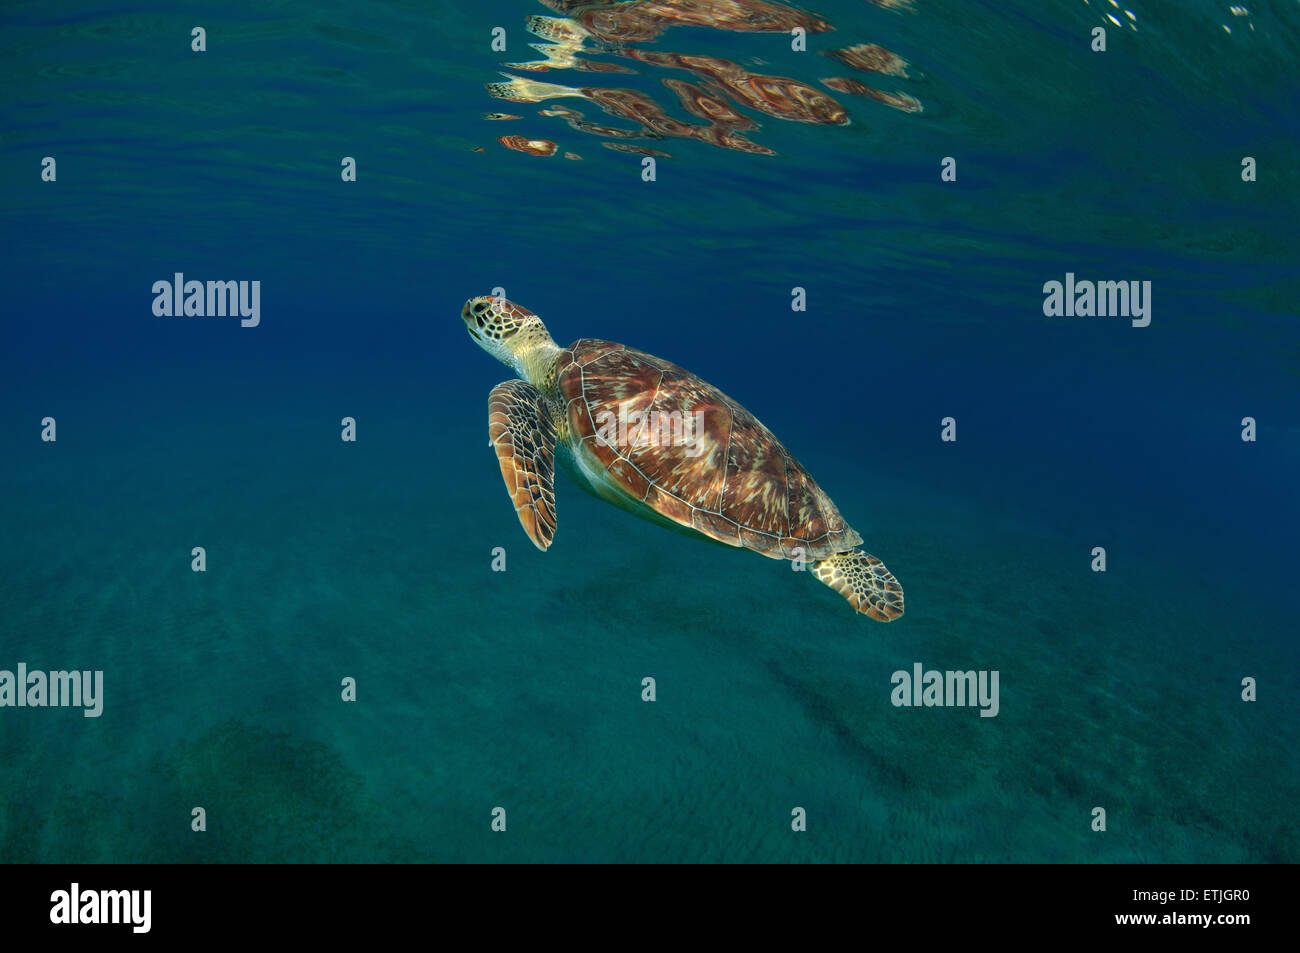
{"x":863,"y":580}
{"x":523,"y":435}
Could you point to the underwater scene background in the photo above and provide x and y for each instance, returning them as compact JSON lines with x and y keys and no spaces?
{"x":372,"y":559}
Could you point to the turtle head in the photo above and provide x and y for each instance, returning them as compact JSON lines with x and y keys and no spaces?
{"x":508,"y":332}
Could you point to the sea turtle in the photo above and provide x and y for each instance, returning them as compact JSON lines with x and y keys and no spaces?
{"x":654,"y":439}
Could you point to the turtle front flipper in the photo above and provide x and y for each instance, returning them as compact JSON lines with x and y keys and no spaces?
{"x":521,"y":431}
{"x":863,"y":580}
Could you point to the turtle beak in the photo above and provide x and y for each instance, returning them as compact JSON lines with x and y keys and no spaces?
{"x":467,"y":316}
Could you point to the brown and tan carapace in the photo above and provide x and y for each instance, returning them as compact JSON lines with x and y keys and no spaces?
{"x":655,"y":440}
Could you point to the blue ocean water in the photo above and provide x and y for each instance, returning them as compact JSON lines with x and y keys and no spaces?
{"x":372,"y":559}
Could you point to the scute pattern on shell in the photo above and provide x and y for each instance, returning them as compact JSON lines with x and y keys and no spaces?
{"x":742,"y":487}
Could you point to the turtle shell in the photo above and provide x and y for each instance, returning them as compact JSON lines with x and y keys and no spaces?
{"x":692,"y":454}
